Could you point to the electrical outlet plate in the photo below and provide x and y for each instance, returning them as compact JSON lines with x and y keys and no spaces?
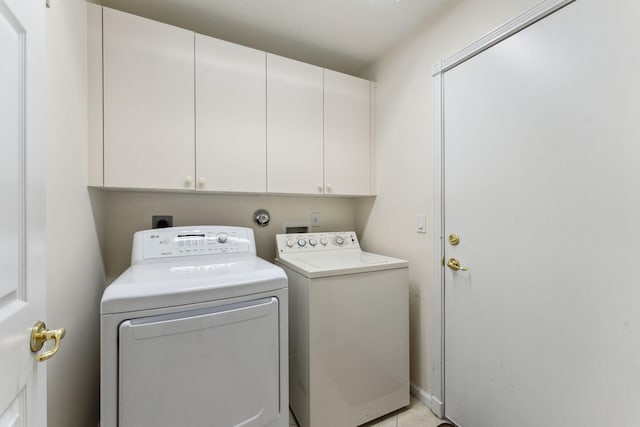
{"x":161,"y":221}
{"x":315,"y":219}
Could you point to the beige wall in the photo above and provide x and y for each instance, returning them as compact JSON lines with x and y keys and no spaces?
{"x":75,"y":276}
{"x":404,"y":128}
{"x":128,"y":212}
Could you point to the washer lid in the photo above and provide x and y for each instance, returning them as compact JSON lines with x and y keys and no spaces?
{"x":189,"y":281}
{"x":324,"y":264}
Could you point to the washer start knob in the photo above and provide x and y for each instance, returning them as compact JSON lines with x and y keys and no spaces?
{"x":339,"y":240}
{"x":222,"y":237}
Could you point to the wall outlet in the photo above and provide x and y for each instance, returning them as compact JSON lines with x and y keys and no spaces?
{"x":315,"y":219}
{"x":161,"y":221}
{"x":421,"y":223}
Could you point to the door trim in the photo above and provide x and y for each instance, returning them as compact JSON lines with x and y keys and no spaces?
{"x":529,"y":17}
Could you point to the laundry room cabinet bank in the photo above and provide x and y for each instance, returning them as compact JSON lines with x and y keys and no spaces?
{"x":170,"y":109}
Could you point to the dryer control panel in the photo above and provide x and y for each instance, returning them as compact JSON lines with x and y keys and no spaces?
{"x":191,"y":241}
{"x":312,"y":242}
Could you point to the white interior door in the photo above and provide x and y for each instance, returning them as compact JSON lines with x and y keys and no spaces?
{"x":22,"y":243}
{"x":542,"y":184}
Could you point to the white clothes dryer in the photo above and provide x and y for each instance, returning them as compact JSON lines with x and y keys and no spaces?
{"x":194,"y":333}
{"x":348,"y":329}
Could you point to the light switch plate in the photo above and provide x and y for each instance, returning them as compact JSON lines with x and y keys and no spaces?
{"x":421,"y":223}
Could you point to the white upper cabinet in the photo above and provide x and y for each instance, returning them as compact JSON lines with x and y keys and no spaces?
{"x":148,"y":103}
{"x":347,"y":134}
{"x":171,"y":109}
{"x":294,"y":126}
{"x":231,"y":140}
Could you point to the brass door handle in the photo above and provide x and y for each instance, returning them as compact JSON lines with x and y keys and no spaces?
{"x":40,"y":334}
{"x":454,"y":264}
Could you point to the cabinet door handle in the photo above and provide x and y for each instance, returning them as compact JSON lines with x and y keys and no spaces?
{"x":328,"y":188}
{"x":320,"y":187}
{"x":188,"y":179}
{"x":202,"y":180}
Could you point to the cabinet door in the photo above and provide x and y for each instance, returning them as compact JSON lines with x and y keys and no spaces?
{"x":347,"y":134}
{"x":231,"y":141}
{"x":148,"y":103}
{"x":294,"y":126}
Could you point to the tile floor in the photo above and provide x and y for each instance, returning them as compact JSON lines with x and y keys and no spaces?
{"x":414,"y":415}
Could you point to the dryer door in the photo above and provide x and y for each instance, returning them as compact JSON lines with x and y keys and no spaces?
{"x":209,"y":367}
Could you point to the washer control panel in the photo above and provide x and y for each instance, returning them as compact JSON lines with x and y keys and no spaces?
{"x":311,"y":242}
{"x":190,"y":241}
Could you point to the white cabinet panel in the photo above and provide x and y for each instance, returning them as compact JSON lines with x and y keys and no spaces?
{"x":95,"y":174}
{"x":374,"y":154}
{"x":294,"y":126}
{"x":231,"y":144}
{"x":347,"y":134}
{"x":148,"y":103}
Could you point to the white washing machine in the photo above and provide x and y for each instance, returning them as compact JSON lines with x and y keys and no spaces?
{"x":348,"y":329}
{"x":194,"y":333}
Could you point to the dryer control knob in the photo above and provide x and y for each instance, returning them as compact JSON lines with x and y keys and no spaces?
{"x":222,"y":237}
{"x":324,"y":241}
{"x":313,"y":242}
{"x":290,"y":243}
{"x":339,"y":240}
{"x":302,"y":243}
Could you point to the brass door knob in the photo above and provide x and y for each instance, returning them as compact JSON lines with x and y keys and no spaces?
{"x":40,"y":334}
{"x":454,"y":264}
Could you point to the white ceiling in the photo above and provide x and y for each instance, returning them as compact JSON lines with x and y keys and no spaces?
{"x":344,"y":35}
